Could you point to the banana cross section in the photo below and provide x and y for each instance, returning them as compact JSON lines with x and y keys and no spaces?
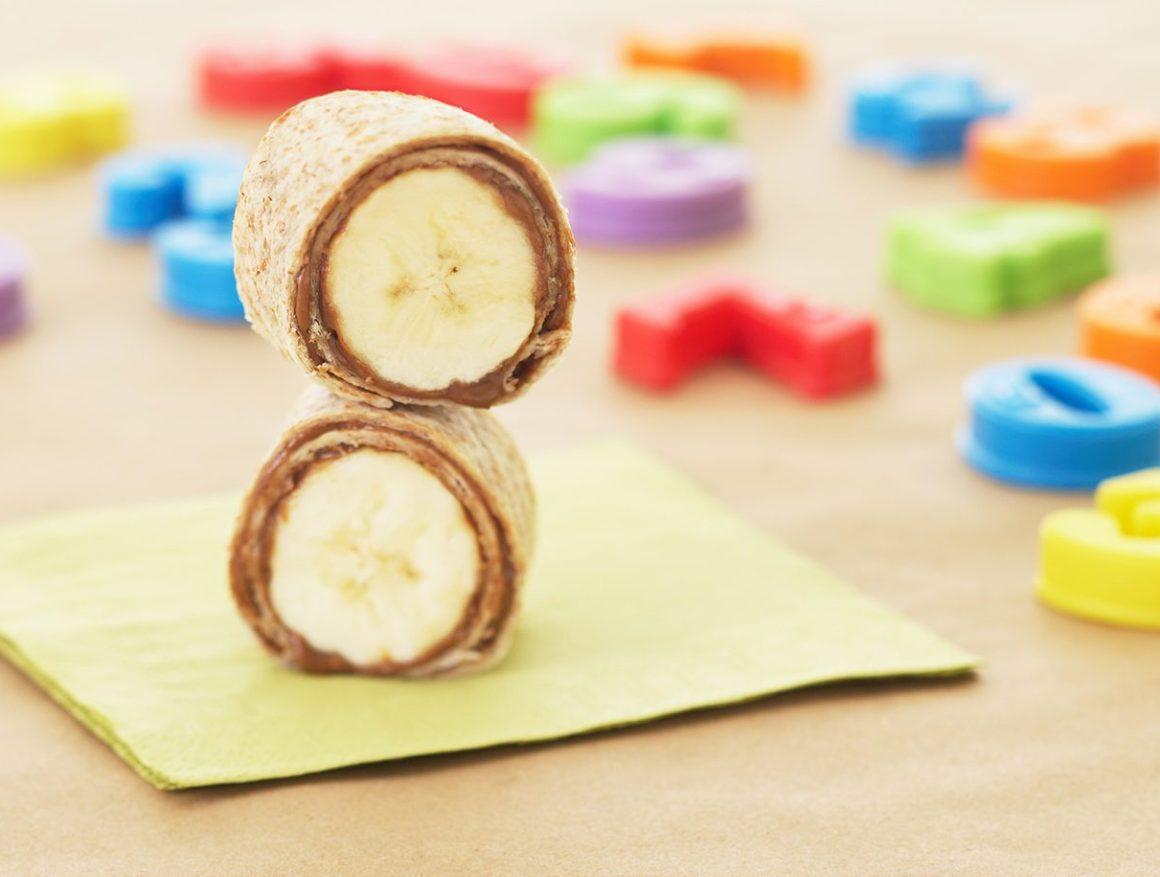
{"x":1104,"y":563}
{"x":393,"y":549}
{"x":461,"y":280}
{"x":817,"y":352}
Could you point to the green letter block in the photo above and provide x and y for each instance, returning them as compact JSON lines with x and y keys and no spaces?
{"x":984,"y":259}
{"x":572,"y":116}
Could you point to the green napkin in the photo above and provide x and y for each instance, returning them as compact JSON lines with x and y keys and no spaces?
{"x":646,"y":599}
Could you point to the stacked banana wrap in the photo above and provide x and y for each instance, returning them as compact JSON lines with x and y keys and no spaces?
{"x":418,"y":265}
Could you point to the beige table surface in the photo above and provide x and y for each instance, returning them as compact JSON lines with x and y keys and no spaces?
{"x":1047,"y":763}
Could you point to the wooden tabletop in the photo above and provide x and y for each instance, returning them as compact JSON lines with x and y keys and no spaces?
{"x":1046,"y":763}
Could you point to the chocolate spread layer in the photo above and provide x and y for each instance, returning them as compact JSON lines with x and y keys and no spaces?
{"x":523,"y":197}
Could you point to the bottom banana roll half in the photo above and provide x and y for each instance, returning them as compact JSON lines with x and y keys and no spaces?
{"x":385,"y":541}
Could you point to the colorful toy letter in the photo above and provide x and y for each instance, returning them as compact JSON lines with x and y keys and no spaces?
{"x":658,"y":190}
{"x":1120,"y":322}
{"x":573,"y":115}
{"x":1060,"y":423}
{"x":816,"y":351}
{"x":1104,"y":563}
{"x":271,"y":78}
{"x":981,"y":260}
{"x":919,"y":114}
{"x":493,"y":82}
{"x":1087,"y":154}
{"x":196,"y":258}
{"x":779,"y":64}
{"x":48,"y":122}
{"x":142,"y":190}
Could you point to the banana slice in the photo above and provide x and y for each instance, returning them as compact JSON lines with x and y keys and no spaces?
{"x":403,"y":251}
{"x":388,"y":542}
{"x":374,"y":560}
{"x":432,"y":281}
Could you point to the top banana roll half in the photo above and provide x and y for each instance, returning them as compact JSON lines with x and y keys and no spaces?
{"x":403,"y":251}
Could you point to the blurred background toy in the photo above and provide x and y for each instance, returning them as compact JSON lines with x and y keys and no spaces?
{"x":495,"y":83}
{"x":50,"y":121}
{"x":920,"y":114}
{"x":815,"y":351}
{"x":643,"y":191}
{"x":980,"y":260}
{"x":263,"y":78}
{"x":1120,"y":322}
{"x":196,"y":258}
{"x":774,"y":63}
{"x":1060,"y":423}
{"x":571,"y":116}
{"x":491,"y":81}
{"x":142,"y":190}
{"x":1104,"y":563}
{"x":13,"y":304}
{"x":1087,"y":153}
